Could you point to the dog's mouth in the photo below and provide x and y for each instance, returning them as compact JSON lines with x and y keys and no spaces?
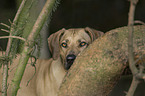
{"x":69,"y":61}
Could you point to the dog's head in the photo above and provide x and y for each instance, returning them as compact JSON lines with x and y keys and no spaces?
{"x":67,"y":44}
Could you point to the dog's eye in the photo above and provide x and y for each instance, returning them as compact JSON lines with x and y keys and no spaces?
{"x":64,"y":45}
{"x":82,"y":44}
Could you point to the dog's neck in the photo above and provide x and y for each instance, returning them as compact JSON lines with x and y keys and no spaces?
{"x":58,"y":70}
{"x":51,"y":75}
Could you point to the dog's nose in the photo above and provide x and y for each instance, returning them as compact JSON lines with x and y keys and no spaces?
{"x":71,"y":57}
{"x":69,"y":61}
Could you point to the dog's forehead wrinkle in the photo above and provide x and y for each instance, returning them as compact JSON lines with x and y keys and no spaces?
{"x":83,"y":36}
{"x":75,"y":36}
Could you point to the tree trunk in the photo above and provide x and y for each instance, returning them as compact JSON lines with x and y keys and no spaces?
{"x":98,"y":68}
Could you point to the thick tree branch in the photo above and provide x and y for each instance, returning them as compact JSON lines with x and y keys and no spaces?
{"x":45,"y":13}
{"x":97,"y":69}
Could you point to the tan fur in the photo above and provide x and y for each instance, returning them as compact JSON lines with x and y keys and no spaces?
{"x":50,"y":73}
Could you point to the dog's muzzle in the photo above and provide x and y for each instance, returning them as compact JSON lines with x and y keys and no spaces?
{"x":69,"y":61}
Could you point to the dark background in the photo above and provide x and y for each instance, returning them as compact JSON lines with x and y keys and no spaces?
{"x":102,"y":15}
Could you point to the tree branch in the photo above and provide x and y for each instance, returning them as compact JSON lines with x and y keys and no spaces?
{"x":5,"y":65}
{"x":16,"y":37}
{"x":139,"y":22}
{"x":5,"y":30}
{"x":97,"y":69}
{"x":5,"y":25}
{"x":132,"y":65}
{"x":4,"y":80}
{"x":130,"y":38}
{"x":45,"y":13}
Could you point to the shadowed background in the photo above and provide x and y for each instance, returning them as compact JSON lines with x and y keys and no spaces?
{"x":102,"y":15}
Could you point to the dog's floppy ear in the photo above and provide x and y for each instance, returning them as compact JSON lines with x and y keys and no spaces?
{"x":94,"y":34}
{"x":53,"y":42}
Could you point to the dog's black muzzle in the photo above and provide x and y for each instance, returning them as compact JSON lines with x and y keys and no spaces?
{"x":69,"y":61}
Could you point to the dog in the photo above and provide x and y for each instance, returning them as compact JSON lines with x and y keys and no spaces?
{"x":64,"y":45}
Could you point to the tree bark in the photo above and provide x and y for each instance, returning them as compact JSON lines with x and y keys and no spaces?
{"x":98,"y":68}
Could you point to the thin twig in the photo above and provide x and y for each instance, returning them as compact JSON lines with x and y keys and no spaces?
{"x":5,"y":30}
{"x":139,"y":22}
{"x":10,"y":21}
{"x":132,"y":66}
{"x":19,"y":11}
{"x":133,"y":86}
{"x":16,"y":37}
{"x":5,"y":25}
{"x":130,"y":39}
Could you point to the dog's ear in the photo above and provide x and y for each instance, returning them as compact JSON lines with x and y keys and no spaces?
{"x":53,"y":42}
{"x":94,"y":34}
